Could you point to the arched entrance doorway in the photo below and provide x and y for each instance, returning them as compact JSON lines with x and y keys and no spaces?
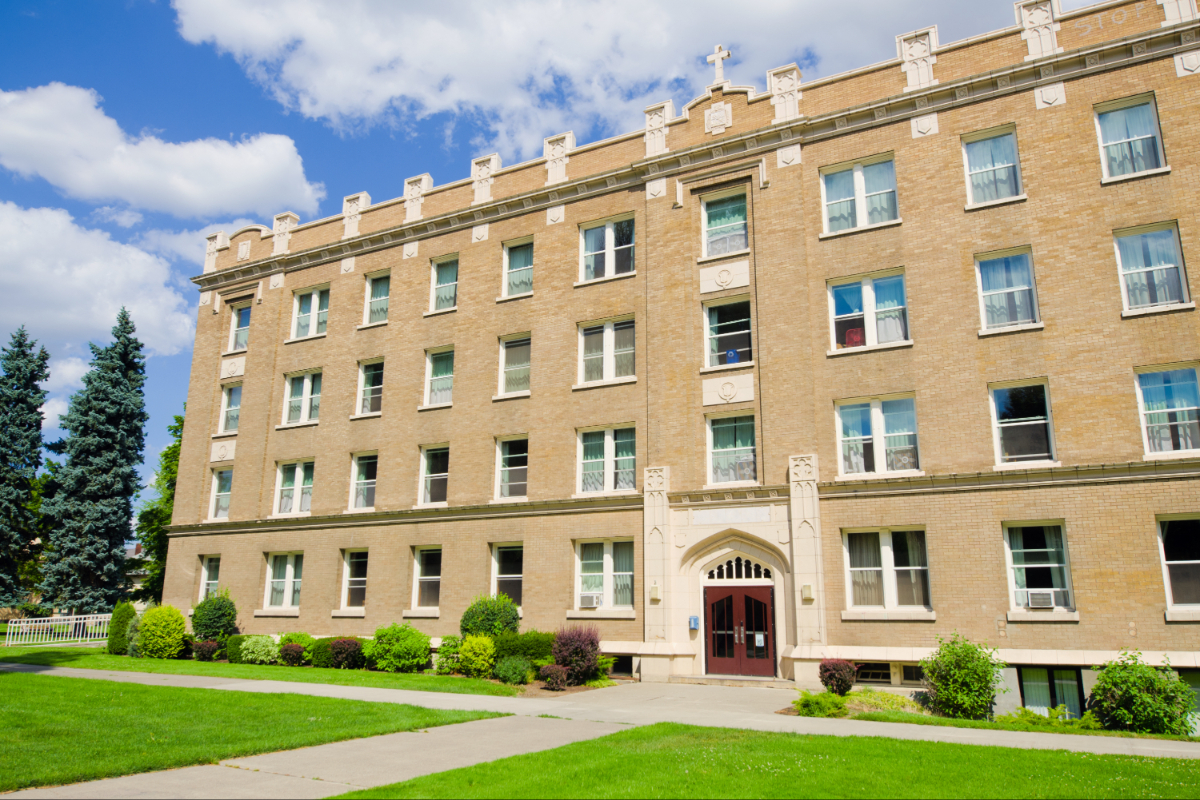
{"x":739,"y":618}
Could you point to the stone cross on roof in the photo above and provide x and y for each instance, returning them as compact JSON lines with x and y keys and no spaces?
{"x":719,"y":54}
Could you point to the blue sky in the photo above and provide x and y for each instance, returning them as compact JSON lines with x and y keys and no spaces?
{"x":129,"y":130}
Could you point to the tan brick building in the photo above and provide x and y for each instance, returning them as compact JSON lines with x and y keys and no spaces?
{"x":830,"y":371}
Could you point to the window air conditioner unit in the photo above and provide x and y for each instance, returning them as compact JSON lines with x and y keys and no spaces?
{"x":1041,"y":599}
{"x":591,"y":600}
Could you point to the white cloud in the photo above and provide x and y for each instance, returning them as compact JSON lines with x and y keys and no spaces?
{"x":188,"y":245}
{"x":124,"y":217}
{"x":66,"y":283}
{"x":531,"y":68}
{"x":66,"y":373}
{"x":59,"y":133}
{"x":54,"y":408}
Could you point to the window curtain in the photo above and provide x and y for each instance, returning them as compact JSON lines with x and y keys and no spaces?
{"x":1130,"y":143}
{"x":306,"y":487}
{"x":1149,"y":262}
{"x":380,"y":288}
{"x":623,"y":573}
{"x":593,"y":354}
{"x":839,"y":201}
{"x":880,"y":180}
{"x":733,"y":449}
{"x":1172,"y":404}
{"x":992,"y":166}
{"x":520,"y":269}
{"x":624,"y":443}
{"x":593,"y":462}
{"x":593,"y":248}
{"x":446,"y":294}
{"x":623,"y":352}
{"x":856,"y":438}
{"x":1035,"y":683}
{"x":591,"y":568}
{"x":900,"y":434}
{"x":912,"y":577}
{"x":866,"y":569}
{"x":1066,"y":691}
{"x":726,"y":225}
{"x":623,"y":244}
{"x":890,"y":319}
{"x":314,"y":398}
{"x":441,"y":381}
{"x":322,"y":310}
{"x":1008,"y":290}
{"x":278,"y":579}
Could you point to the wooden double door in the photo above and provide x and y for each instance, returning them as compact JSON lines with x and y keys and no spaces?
{"x":739,"y":630}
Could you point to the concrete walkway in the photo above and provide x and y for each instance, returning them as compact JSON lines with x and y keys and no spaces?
{"x":334,"y":768}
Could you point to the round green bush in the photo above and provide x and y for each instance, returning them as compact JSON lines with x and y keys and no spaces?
{"x":962,"y":678}
{"x":477,"y":657}
{"x":399,"y":648}
{"x":215,"y":618}
{"x":447,"y":655}
{"x":118,"y":627}
{"x":490,"y":616}
{"x":259,"y":650}
{"x":513,"y":669}
{"x":305,"y":641}
{"x":825,"y":704}
{"x":161,"y":633}
{"x":1130,"y":695}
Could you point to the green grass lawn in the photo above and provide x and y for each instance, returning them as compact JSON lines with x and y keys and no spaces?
{"x":96,"y":658}
{"x":62,"y":730}
{"x":925,"y":719}
{"x":669,"y":760}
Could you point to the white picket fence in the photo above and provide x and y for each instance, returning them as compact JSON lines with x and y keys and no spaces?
{"x":58,"y":630}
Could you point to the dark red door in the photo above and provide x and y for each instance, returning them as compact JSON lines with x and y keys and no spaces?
{"x":740,"y":630}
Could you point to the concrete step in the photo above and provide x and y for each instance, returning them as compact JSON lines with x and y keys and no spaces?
{"x":744,"y":681}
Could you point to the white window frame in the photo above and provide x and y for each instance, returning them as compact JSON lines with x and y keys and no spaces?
{"x":610,"y":257}
{"x":315,"y":293}
{"x":524,"y":240}
{"x":1011,"y":574}
{"x":354,"y":457}
{"x":870,"y":324}
{"x":496,"y":548}
{"x":306,"y":397}
{"x":608,"y":593}
{"x":708,"y":466}
{"x":212,"y":502}
{"x":1148,"y":454}
{"x":1168,"y":590}
{"x":370,"y":288}
{"x":418,"y":578}
{"x":504,"y":341}
{"x":610,"y":459}
{"x":428,"y":386}
{"x":422,"y":474}
{"x":706,"y":338}
{"x":222,"y":420}
{"x":984,"y":135}
{"x":610,"y":356}
{"x":1146,"y":98}
{"x":205,"y":580}
{"x":346,"y":576}
{"x":705,"y":199}
{"x":433,"y":284}
{"x":996,"y":450}
{"x":1185,"y":300}
{"x":878,"y":437}
{"x":289,"y":597}
{"x":297,"y":468}
{"x":1026,"y":251}
{"x":234,"y":311}
{"x":496,"y":496}
{"x":860,"y":193}
{"x":887,"y":560}
{"x":359,"y":395}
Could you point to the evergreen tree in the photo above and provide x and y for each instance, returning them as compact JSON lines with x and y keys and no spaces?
{"x":92,"y":509}
{"x":155,"y":516}
{"x":23,"y":365}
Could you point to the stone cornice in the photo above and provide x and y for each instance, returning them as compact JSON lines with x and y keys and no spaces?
{"x":1082,"y":62}
{"x":738,"y":495}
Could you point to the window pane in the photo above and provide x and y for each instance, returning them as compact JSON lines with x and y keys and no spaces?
{"x":1130,"y":142}
{"x":880,"y":182}
{"x":1024,"y":423}
{"x":1149,"y":265}
{"x":839,"y":200}
{"x":372,"y":400}
{"x":900,"y":434}
{"x":431,"y":563}
{"x":441,"y":381}
{"x":729,"y":334}
{"x":849,"y":330}
{"x":514,"y":464}
{"x":446,"y":292}
{"x":304,"y":315}
{"x":623,"y":244}
{"x":866,"y":569}
{"x":622,"y":573}
{"x":1035,"y":685}
{"x":726,"y":225}
{"x":991,"y":164}
{"x":430,"y":592}
{"x":510,"y":587}
{"x":511,"y":560}
{"x":520,"y":269}
{"x":593,"y":253}
{"x":625,"y":474}
{"x":733,"y":457}
{"x":1039,"y":563}
{"x":593,"y":354}
{"x":1172,"y":408}
{"x":858,"y":447}
{"x":233,"y":407}
{"x":623,"y":349}
{"x":593,"y":461}
{"x":516,"y":365}
{"x":591,"y":568}
{"x":1181,"y":546}
{"x":314,"y":400}
{"x":1007,"y":290}
{"x":437,"y":468}
{"x":378,"y":309}
{"x":891,"y":320}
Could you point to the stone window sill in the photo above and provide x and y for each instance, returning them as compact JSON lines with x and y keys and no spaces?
{"x":601,"y":613}
{"x":419,"y":506}
{"x":511,"y":396}
{"x":868,"y":348}
{"x":288,"y":426}
{"x":889,"y":615}
{"x":615,"y":493}
{"x":727,"y":367}
{"x":372,"y":415}
{"x":440,"y":311}
{"x":304,"y":338}
{"x":1027,"y":465}
{"x":734,"y":254}
{"x":224,"y":434}
{"x":291,"y":516}
{"x":1183,"y":614}
{"x":606,"y":279}
{"x":1057,"y":615}
{"x":719,"y":487}
{"x":601,"y":384}
{"x":348,"y":612}
{"x":1028,"y":326}
{"x":520,"y":296}
{"x":861,"y":229}
{"x":421,"y":613}
{"x":1141,"y":312}
{"x":277,"y":612}
{"x":1171,"y":456}
{"x":1149,"y":173}
{"x":880,"y":476}
{"x":367,"y":510}
{"x":241,"y":352}
{"x":499,"y":501}
{"x":371,"y":325}
{"x":435,"y":406}
{"x":1017,"y":198}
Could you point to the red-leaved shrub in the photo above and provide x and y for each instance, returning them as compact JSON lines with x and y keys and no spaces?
{"x":205,"y":651}
{"x":577,"y":649}
{"x":554,"y":676}
{"x":837,"y":675}
{"x":347,"y":654}
{"x":292,"y":655}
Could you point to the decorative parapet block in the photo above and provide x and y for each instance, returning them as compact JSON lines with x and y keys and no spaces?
{"x":1177,"y":11}
{"x":728,"y":389}
{"x":1054,"y":94}
{"x":784,"y":83}
{"x":555,"y":149}
{"x":717,"y":118}
{"x":916,"y":50}
{"x":212,"y":245}
{"x":657,"y":118}
{"x":926,"y":125}
{"x":1038,"y":20}
{"x":414,"y":195}
{"x":282,"y":231}
{"x":483,"y":171}
{"x":352,"y":207}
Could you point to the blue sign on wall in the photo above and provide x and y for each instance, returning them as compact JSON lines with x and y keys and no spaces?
{"x":693,"y":623}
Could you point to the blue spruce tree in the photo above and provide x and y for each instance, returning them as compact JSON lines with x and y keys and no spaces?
{"x":93,"y":506}
{"x":22,"y":368}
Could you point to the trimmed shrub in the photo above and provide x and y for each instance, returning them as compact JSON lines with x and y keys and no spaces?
{"x":305,"y":641}
{"x":320,"y":655}
{"x":1055,"y":719}
{"x":233,"y":648}
{"x":292,"y":655}
{"x":962,"y":678}
{"x":447,"y":656}
{"x":400,"y":648}
{"x":132,"y":638}
{"x":205,"y":651}
{"x":513,"y":669}
{"x":259,"y":650}
{"x":490,"y":616}
{"x":1130,"y":695}
{"x":837,"y":675}
{"x":118,"y":626}
{"x":477,"y":657}
{"x":346,"y":653}
{"x":825,"y":704}
{"x":161,"y":633}
{"x":531,"y":645}
{"x":215,"y":617}
{"x":554,"y":676}
{"x":577,"y":649}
